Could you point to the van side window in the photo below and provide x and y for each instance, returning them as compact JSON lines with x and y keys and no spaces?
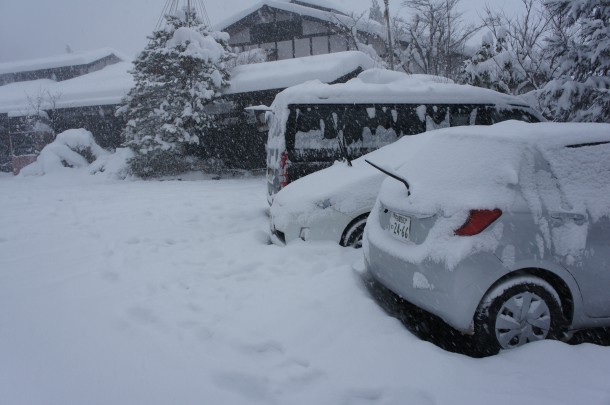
{"x":307,"y":120}
{"x":408,"y":121}
{"x":437,"y":116}
{"x":462,"y":115}
{"x":516,"y":114}
{"x":484,"y":116}
{"x":313,"y":129}
{"x":354,"y":120}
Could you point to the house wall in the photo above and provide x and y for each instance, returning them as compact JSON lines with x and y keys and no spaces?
{"x":286,"y":35}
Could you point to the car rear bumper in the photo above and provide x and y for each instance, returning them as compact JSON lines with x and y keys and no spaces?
{"x":453,"y":295}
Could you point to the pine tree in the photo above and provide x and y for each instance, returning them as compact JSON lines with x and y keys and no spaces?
{"x":179,"y":73}
{"x":493,"y":66}
{"x":473,"y":72}
{"x":582,"y":90}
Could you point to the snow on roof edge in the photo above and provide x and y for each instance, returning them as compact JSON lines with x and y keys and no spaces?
{"x":103,"y":87}
{"x":52,"y":62}
{"x":289,"y":72}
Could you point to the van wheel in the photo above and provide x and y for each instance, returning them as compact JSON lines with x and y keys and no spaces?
{"x":352,"y":236}
{"x":519,"y":311}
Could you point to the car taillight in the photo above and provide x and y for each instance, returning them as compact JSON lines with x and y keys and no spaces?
{"x":283,"y":172}
{"x":478,"y":221}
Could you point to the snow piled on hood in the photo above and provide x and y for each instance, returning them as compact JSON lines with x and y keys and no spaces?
{"x":347,"y":189}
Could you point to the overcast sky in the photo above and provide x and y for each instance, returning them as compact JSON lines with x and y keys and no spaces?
{"x":38,"y":28}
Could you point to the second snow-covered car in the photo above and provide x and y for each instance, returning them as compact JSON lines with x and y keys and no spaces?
{"x":501,"y":231}
{"x":334,"y":203}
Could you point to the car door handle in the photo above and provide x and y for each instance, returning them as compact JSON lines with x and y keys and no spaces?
{"x":578,"y":219}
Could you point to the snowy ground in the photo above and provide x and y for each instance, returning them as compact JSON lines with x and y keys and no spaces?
{"x":130,"y":292}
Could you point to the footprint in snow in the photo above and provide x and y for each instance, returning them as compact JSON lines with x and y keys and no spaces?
{"x":393,"y":396}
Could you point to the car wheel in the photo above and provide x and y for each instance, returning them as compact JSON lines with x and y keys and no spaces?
{"x":519,"y":311}
{"x":352,"y":236}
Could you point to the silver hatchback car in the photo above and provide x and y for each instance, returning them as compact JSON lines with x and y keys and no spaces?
{"x":502,"y":231}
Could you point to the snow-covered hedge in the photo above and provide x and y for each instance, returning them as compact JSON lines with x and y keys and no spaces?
{"x":76,"y":149}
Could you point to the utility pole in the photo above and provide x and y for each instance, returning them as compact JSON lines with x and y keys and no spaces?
{"x":188,"y":12}
{"x":387,"y":22}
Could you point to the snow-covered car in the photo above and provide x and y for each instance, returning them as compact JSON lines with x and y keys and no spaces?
{"x":313,"y":124}
{"x":333,"y":203}
{"x":501,"y":231}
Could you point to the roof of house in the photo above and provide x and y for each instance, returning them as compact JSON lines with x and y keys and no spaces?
{"x":363,"y":24}
{"x":289,"y":72}
{"x":69,"y":59}
{"x":106,"y":86}
{"x":110,"y":84}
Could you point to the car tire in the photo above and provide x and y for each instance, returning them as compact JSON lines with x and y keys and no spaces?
{"x":352,"y":236}
{"x":516,"y":312}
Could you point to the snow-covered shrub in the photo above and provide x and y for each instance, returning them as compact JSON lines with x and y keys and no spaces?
{"x":181,"y":70}
{"x":113,"y":165}
{"x":74,"y":148}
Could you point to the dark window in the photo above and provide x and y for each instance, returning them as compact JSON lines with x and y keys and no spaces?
{"x":276,"y":31}
{"x":489,"y":115}
{"x":408,"y":121}
{"x":460,"y":115}
{"x":516,"y":114}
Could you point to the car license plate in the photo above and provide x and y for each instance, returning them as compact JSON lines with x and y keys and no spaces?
{"x":400,"y":226}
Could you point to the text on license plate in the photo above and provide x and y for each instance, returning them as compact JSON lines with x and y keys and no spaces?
{"x":400,"y":226}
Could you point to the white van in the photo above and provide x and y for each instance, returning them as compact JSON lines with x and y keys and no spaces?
{"x":314,"y":124}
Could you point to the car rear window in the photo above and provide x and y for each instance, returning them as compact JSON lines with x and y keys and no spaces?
{"x":583,"y":174}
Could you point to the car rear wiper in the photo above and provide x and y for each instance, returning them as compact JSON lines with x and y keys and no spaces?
{"x":392,"y":174}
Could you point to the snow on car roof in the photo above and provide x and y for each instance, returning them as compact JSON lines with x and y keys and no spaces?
{"x":288,"y":72}
{"x":452,"y":169}
{"x":383,"y":86}
{"x":537,"y":168}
